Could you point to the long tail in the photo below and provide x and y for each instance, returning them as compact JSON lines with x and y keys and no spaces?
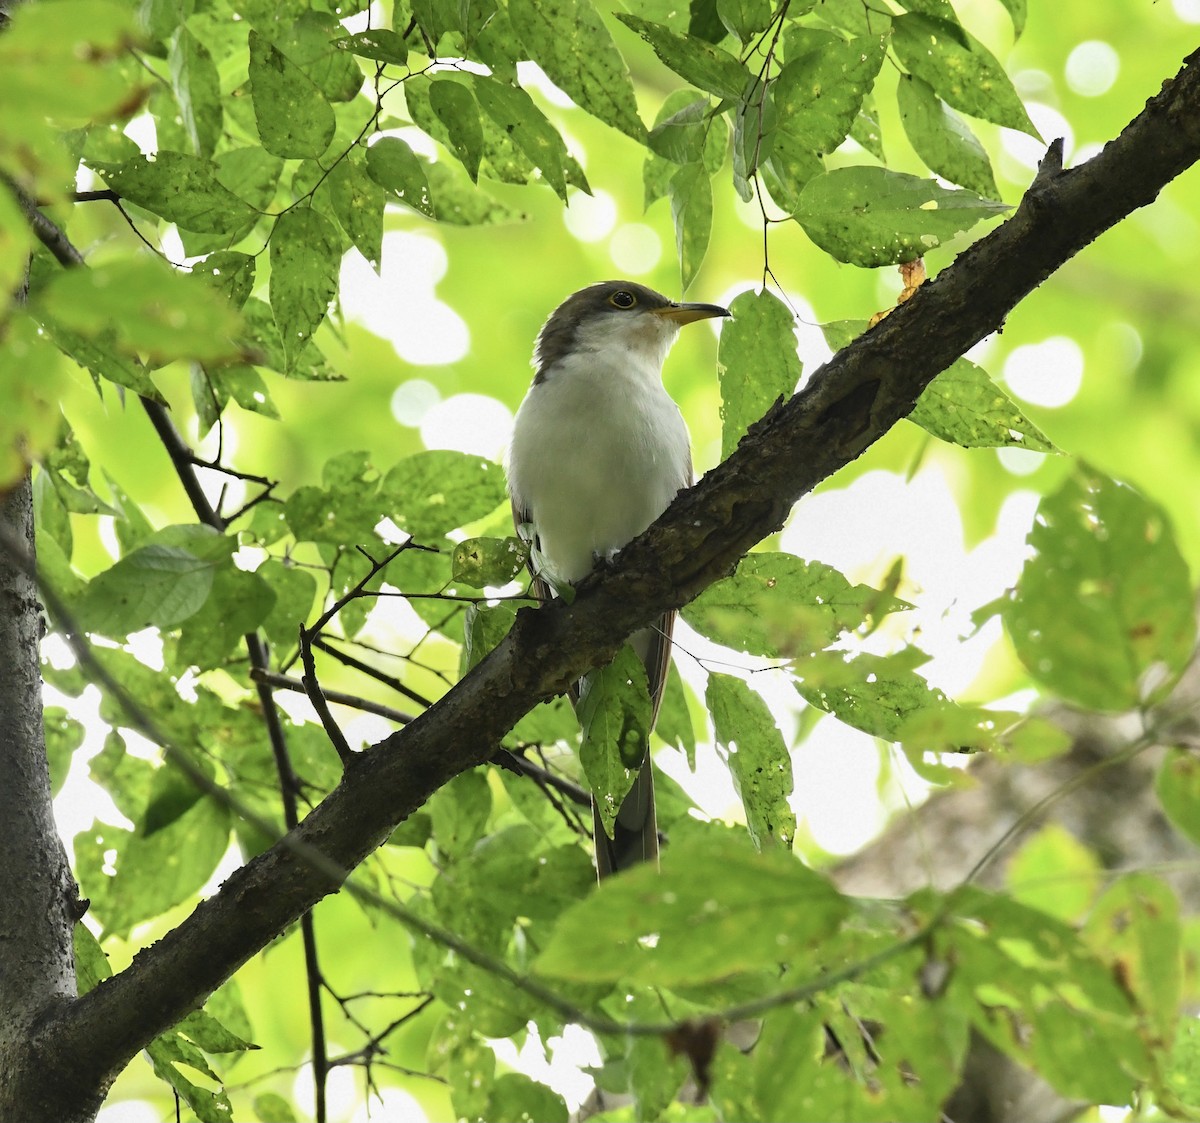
{"x":635,"y":830}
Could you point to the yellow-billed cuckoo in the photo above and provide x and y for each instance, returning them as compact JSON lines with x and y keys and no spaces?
{"x":598,"y":452}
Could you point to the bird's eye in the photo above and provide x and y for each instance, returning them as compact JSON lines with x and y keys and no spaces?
{"x":622,"y":299}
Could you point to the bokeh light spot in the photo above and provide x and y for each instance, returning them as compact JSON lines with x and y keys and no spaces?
{"x":1047,"y":373}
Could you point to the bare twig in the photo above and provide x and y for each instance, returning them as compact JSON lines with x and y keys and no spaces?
{"x":313,"y":689}
{"x":338,"y":697}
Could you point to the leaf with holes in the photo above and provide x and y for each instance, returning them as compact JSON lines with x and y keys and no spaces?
{"x":305,"y":260}
{"x":1103,"y":613}
{"x":961,"y":70}
{"x":757,"y":363}
{"x":569,"y":41}
{"x":706,"y":67}
{"x":943,"y":139}
{"x":294,"y":118}
{"x":614,"y":711}
{"x":872,"y":216}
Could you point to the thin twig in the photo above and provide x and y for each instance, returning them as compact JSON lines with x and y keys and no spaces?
{"x":338,"y":697}
{"x":313,"y":689}
{"x":322,"y":644}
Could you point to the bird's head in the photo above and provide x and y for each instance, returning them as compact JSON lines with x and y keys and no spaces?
{"x":622,"y":316}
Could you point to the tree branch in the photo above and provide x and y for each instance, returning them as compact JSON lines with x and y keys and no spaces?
{"x":850,"y":403}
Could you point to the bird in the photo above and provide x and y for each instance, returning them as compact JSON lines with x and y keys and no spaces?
{"x":599,"y":450}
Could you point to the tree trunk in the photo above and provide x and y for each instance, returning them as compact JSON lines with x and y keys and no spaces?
{"x":37,"y":891}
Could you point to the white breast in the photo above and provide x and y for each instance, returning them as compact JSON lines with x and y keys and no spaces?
{"x":599,"y":450}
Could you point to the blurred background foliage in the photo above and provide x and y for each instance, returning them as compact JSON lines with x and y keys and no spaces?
{"x":1104,"y":358}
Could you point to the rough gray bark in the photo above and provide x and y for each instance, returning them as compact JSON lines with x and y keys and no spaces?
{"x":856,"y":398}
{"x":37,"y":892}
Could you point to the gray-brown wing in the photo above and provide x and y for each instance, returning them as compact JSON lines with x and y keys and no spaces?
{"x":538,"y":586}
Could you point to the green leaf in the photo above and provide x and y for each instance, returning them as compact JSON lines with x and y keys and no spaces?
{"x":1178,"y":788}
{"x":758,"y":760}
{"x":294,"y":118}
{"x":1182,"y":1075}
{"x":745,"y":18}
{"x":691,"y":210}
{"x":819,"y":94}
{"x":153,"y":872}
{"x":16,"y":242}
{"x":872,"y":216}
{"x":1016,"y":11}
{"x":171,"y":795}
{"x":167,"y":1052}
{"x":778,"y":605}
{"x":484,"y":626}
{"x":308,"y":43}
{"x":788,"y":166}
{"x":514,"y":111}
{"x":197,"y":88}
{"x":614,"y":711}
{"x":458,"y":111}
{"x":965,"y":407}
{"x":180,"y":188}
{"x":865,"y":130}
{"x":213,"y":389}
{"x":706,"y":67}
{"x":1054,"y":872}
{"x":456,"y":201}
{"x":685,"y":131}
{"x":305,"y":261}
{"x":656,"y":1070}
{"x":395,"y":167}
{"x":459,"y":812}
{"x":379,"y":44}
{"x":211,"y":1035}
{"x":682,"y":129}
{"x":230,"y":272}
{"x":140,"y":306}
{"x":438,"y":18}
{"x":961,"y":70}
{"x":480,"y":562}
{"x":1041,"y":995}
{"x":569,"y":41}
{"x":346,"y":511}
{"x":937,"y":9}
{"x":1134,"y":926}
{"x":757,"y":363}
{"x":60,"y":58}
{"x":903,"y":1067}
{"x":32,"y":376}
{"x":674,"y":723}
{"x":548,"y":724}
{"x":99,"y":357}
{"x":432,"y":493}
{"x":1102,"y":613}
{"x":716,"y":908}
{"x":294,"y":591}
{"x":943,"y":139}
{"x":514,"y":1096}
{"x":91,"y":964}
{"x":875,"y":693}
{"x":63,"y":736}
{"x":156,"y":585}
{"x":358,"y":203}
{"x":239,"y":603}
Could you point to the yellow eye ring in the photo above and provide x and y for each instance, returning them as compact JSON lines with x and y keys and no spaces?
{"x":622,"y":299}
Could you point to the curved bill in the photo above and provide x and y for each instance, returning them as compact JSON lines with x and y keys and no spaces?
{"x":689,"y":313}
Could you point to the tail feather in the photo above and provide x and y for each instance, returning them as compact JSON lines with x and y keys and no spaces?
{"x":635,"y":832}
